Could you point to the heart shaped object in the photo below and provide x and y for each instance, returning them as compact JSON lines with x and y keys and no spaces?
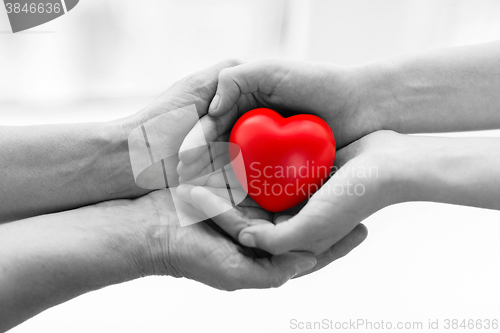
{"x":285,"y":160}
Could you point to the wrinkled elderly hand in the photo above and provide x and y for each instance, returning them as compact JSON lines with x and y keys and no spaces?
{"x":325,"y":90}
{"x":205,"y":253}
{"x":198,"y":89}
{"x":332,"y":93}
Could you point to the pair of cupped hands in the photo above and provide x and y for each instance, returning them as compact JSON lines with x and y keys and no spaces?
{"x":247,"y":246}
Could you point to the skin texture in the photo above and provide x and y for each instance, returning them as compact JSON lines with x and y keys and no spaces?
{"x":119,"y":240}
{"x":453,"y":89}
{"x":289,"y":88}
{"x":77,"y":251}
{"x":50,"y":259}
{"x":51,"y":168}
{"x":381,"y":169}
{"x":110,"y":231}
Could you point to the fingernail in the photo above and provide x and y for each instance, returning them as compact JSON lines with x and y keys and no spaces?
{"x":214,"y":104}
{"x":304,"y":266}
{"x":247,"y":240}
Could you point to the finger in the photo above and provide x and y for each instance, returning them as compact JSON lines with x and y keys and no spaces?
{"x":218,"y":179}
{"x":217,"y":148}
{"x":346,"y":154}
{"x":183,"y":191}
{"x":207,"y":129}
{"x":327,"y":217}
{"x":219,"y":162}
{"x":233,"y":98}
{"x":272,"y":272}
{"x":248,"y":202}
{"x":210,"y":126}
{"x":289,"y":213}
{"x":225,"y":183}
{"x":281,"y":218}
{"x":340,"y":249}
{"x":206,"y":82}
{"x":223,"y":213}
{"x":239,"y":197}
{"x":311,"y":230}
{"x":260,"y":76}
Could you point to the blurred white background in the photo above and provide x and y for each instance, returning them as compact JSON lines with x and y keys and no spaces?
{"x":107,"y":59}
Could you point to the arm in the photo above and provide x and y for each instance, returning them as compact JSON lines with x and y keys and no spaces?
{"x":57,"y":167}
{"x":452,"y":89}
{"x":459,"y":171}
{"x":50,"y":259}
{"x":386,"y":168}
{"x":446,"y":90}
{"x":51,"y":168}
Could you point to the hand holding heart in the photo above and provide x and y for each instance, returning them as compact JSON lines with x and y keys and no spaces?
{"x":332,"y":93}
{"x":210,"y":200}
{"x":356,"y":102}
{"x":322,"y":90}
{"x":363,"y":184}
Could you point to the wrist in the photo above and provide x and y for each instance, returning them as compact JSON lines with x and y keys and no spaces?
{"x":397,"y":165}
{"x":156,"y":250}
{"x":114,"y":158}
{"x":375,"y":86}
{"x":454,"y":170}
{"x":430,"y":168}
{"x":127,"y":234}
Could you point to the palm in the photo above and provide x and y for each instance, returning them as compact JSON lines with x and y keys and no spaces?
{"x":248,"y":214}
{"x":171,"y":121}
{"x":362,"y":186}
{"x":202,"y":252}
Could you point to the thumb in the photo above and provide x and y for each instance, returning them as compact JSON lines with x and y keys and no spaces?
{"x":234,"y":82}
{"x":301,"y":232}
{"x":326,"y":218}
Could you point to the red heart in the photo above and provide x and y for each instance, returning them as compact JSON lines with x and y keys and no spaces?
{"x":285,"y":159}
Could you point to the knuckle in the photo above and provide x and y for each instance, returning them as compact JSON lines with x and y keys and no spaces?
{"x":233,"y":61}
{"x":271,"y":62}
{"x":219,"y":124}
{"x":273,"y":246}
{"x":382,"y":134}
{"x":225,"y":74}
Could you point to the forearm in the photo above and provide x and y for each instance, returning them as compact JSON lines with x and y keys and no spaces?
{"x":463,"y":171}
{"x":50,"y":259}
{"x":453,"y":89}
{"x":52,"y":168}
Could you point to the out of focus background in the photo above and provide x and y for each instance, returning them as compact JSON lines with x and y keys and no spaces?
{"x":108,"y":59}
